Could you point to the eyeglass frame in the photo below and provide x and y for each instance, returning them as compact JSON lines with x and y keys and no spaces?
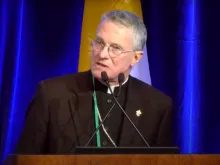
{"x":108,"y":46}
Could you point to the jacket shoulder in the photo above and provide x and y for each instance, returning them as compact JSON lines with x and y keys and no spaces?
{"x":64,"y":79}
{"x":151,"y":93}
{"x":61,"y":85}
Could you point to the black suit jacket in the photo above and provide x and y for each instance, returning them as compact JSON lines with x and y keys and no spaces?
{"x":60,"y":116}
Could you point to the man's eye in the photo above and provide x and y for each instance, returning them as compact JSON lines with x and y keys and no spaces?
{"x":116,"y":48}
{"x":100,"y":42}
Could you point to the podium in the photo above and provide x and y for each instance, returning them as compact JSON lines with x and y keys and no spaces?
{"x":115,"y":159}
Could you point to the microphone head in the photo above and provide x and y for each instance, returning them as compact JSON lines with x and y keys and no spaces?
{"x":121,"y":78}
{"x":104,"y":76}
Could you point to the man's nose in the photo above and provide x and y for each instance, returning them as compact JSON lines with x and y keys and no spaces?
{"x":104,"y":52}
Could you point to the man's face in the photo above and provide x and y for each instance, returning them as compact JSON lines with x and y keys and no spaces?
{"x":119,"y":37}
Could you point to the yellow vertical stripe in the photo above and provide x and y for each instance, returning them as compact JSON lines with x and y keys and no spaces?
{"x":93,"y":10}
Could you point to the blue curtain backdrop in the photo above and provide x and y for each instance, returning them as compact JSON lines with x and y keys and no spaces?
{"x":38,"y":39}
{"x":183,"y":48}
{"x":41,"y":39}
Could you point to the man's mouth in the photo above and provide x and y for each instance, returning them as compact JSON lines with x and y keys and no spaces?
{"x":100,"y":64}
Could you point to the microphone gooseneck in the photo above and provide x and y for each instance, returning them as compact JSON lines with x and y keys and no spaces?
{"x":99,"y":125}
{"x":105,"y":78}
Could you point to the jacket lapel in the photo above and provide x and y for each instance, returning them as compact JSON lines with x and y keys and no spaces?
{"x":132,"y":107}
{"x":82,"y":103}
{"x":84,"y":118}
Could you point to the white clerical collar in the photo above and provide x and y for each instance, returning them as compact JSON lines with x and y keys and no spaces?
{"x":113,"y":86}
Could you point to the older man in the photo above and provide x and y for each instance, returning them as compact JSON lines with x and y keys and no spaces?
{"x":66,"y":110}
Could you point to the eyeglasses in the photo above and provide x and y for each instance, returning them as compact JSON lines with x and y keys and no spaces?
{"x":113,"y":50}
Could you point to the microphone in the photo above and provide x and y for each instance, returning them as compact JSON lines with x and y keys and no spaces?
{"x":120,"y":80}
{"x":104,"y":76}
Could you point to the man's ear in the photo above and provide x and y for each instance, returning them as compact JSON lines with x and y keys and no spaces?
{"x":136,"y":58}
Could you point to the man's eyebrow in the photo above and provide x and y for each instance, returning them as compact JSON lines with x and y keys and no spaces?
{"x":99,"y":38}
{"x":118,"y":45}
{"x":115,"y":44}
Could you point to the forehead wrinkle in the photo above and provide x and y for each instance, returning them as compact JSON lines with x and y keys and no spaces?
{"x":114,"y":42}
{"x":115,"y":30}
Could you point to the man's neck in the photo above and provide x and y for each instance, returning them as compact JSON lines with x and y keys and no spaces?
{"x":114,"y":83}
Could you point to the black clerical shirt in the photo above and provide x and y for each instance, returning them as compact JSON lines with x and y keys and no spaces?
{"x":113,"y":123}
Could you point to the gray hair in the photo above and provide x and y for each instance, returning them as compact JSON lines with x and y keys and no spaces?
{"x":129,"y":20}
